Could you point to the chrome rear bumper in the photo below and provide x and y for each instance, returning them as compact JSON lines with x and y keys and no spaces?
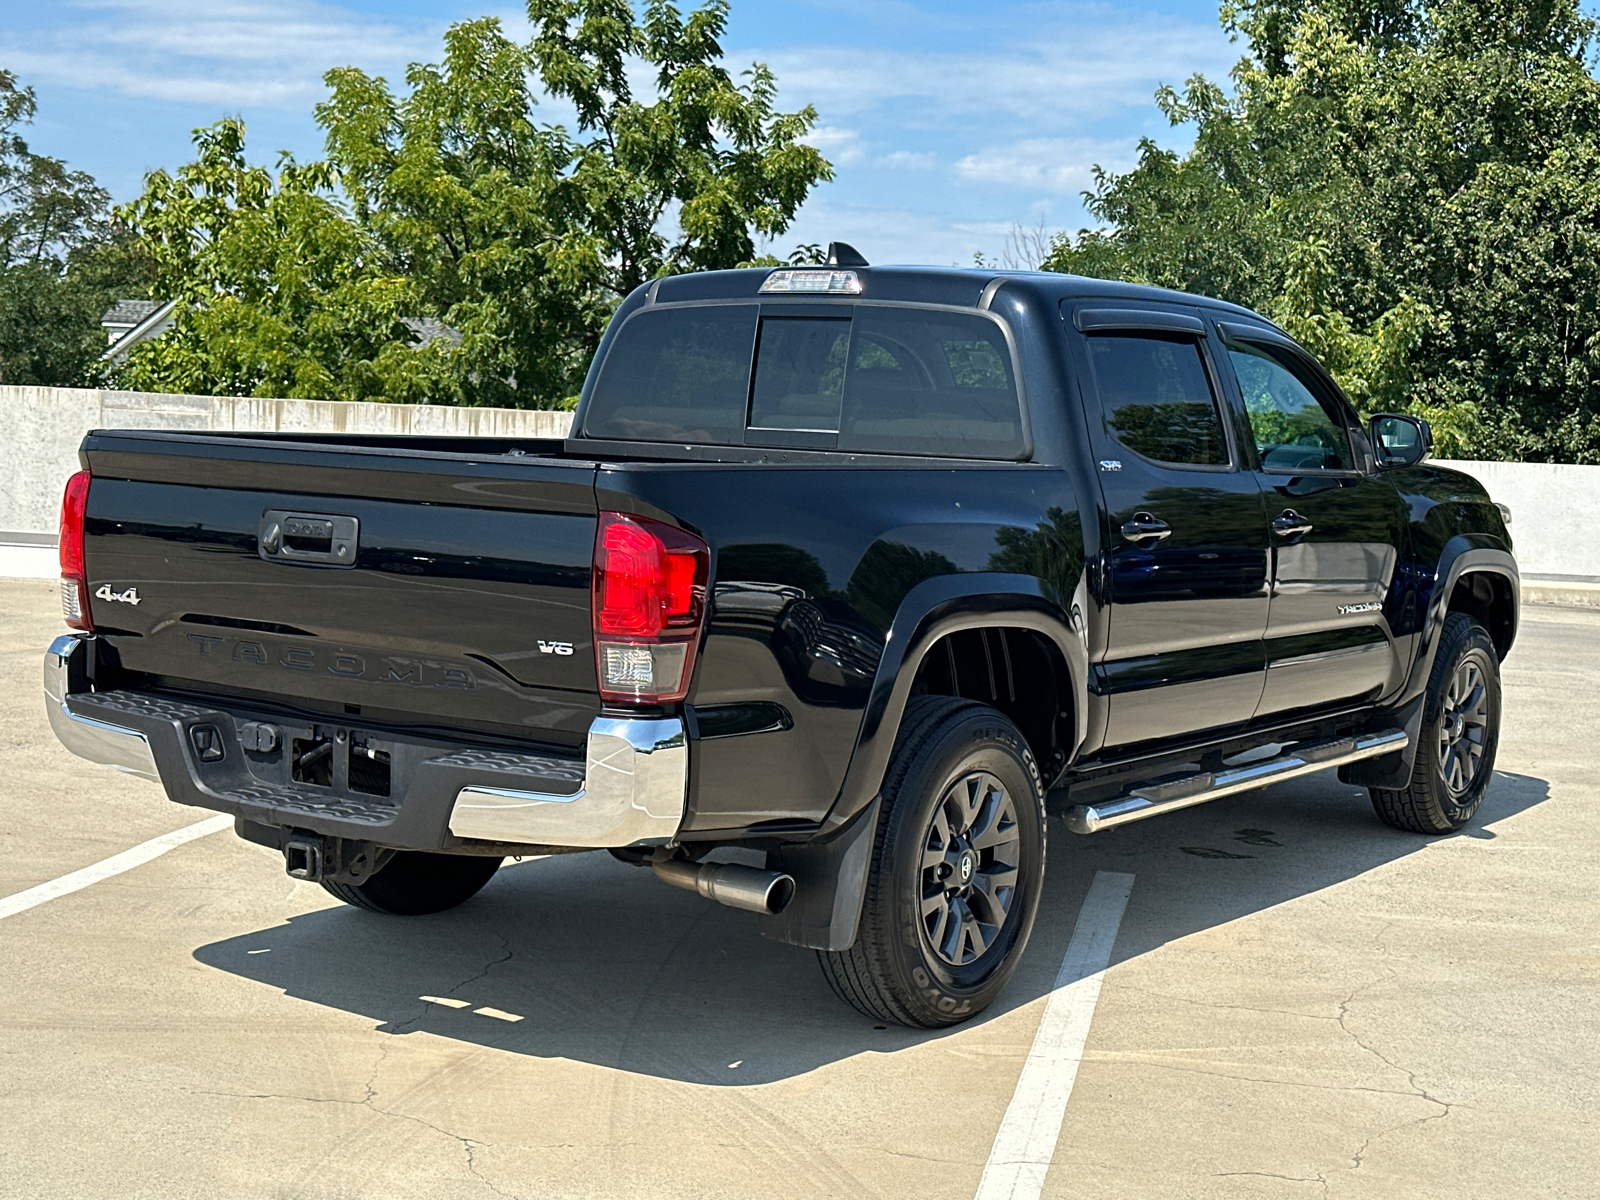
{"x":634,"y":787}
{"x":113,"y":745}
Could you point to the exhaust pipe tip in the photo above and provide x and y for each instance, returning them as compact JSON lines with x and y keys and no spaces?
{"x":732,"y":885}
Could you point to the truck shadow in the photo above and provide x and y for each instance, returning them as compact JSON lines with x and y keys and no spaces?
{"x":581,"y":957}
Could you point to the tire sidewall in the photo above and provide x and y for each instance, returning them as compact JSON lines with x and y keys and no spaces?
{"x":977,"y":740}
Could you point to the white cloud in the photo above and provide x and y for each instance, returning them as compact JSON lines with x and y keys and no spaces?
{"x":907,"y":160}
{"x":227,"y":53}
{"x":842,"y":147}
{"x":1057,"y":166}
{"x":1093,"y":63}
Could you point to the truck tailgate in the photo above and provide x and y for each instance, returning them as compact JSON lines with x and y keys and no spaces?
{"x":461,"y":600}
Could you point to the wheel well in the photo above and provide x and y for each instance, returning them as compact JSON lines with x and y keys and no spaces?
{"x":1486,"y":597}
{"x":1018,"y":671}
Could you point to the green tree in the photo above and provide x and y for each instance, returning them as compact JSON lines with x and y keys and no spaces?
{"x":62,"y":258}
{"x":279,"y":293}
{"x":1412,"y":188}
{"x":451,"y":200}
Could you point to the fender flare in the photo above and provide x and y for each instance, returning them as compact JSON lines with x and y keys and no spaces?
{"x":1466,"y":553}
{"x":930,"y":611}
{"x":831,"y":871}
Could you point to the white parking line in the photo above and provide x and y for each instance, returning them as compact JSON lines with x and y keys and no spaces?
{"x":1026,"y":1141}
{"x":65,"y":885}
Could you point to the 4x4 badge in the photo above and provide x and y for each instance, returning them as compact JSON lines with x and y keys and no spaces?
{"x":131,"y":596}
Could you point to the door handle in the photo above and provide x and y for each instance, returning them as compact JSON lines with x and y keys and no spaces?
{"x":1290,"y":524}
{"x":1145,"y":527}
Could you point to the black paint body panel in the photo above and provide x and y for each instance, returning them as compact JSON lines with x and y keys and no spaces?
{"x":832,"y":574}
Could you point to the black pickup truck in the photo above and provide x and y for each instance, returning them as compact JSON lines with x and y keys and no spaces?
{"x":844,"y":566}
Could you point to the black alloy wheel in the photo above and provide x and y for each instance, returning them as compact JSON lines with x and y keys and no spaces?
{"x":1463,"y":727}
{"x":957,"y":869}
{"x":970,"y":861}
{"x":1458,"y":739}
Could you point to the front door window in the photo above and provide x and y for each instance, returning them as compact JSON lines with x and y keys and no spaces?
{"x":1295,"y":430}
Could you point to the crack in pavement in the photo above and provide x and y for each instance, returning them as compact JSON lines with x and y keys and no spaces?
{"x":469,"y":1145}
{"x":1276,"y":1012}
{"x":1446,"y":1107}
{"x":1319,"y":1178}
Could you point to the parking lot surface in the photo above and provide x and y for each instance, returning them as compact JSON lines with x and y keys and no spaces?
{"x":1300,"y":1002}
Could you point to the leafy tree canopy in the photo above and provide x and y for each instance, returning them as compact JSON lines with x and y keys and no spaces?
{"x":451,"y":200}
{"x":62,"y":258}
{"x":1411,"y":188}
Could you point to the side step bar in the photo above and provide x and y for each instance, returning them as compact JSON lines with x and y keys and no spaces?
{"x":1166,"y":795}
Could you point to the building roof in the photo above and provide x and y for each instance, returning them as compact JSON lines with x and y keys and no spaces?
{"x":153,"y":324}
{"x":129,"y":312}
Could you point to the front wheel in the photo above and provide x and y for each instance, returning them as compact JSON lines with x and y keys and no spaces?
{"x":957,"y":870}
{"x":1459,"y":736}
{"x":415,"y":882}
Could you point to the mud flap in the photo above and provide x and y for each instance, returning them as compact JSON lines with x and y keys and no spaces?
{"x":830,"y":881}
{"x":1393,"y":771}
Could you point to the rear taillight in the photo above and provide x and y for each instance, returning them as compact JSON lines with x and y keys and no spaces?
{"x":74,"y":581}
{"x":649,"y":602}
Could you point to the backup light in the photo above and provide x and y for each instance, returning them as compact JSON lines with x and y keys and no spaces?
{"x":649,"y":599}
{"x":74,"y":580}
{"x":846,"y":283}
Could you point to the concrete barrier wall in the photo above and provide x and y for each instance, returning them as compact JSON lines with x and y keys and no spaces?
{"x":40,"y":429}
{"x":1555,"y":514}
{"x":1555,"y":509}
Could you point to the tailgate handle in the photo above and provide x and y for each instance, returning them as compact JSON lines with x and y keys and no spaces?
{"x":322,"y":539}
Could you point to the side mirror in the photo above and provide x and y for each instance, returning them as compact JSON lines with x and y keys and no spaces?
{"x":1400,"y":441}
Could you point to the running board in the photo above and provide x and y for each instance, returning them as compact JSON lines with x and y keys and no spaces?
{"x":1166,"y":795}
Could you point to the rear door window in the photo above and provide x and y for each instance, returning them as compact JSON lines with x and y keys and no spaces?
{"x":930,"y":382}
{"x":1156,"y":398}
{"x":676,"y":375}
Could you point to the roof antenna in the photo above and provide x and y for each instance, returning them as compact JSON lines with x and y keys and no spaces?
{"x":843,"y":254}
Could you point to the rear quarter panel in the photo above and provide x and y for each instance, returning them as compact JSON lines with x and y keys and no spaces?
{"x":810,"y":565}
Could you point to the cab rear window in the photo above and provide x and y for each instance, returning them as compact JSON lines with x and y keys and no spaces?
{"x":860,"y":377}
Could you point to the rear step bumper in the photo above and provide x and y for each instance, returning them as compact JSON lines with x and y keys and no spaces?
{"x":630,"y":788}
{"x":1152,"y":799}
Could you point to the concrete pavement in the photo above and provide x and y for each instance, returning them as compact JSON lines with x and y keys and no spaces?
{"x":1300,"y":1002}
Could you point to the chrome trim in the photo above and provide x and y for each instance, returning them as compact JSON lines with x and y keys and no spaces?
{"x":98,"y":741}
{"x":1156,"y":798}
{"x":636,"y":786}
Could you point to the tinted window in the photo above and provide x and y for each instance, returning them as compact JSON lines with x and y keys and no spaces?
{"x":676,"y":375}
{"x":1157,"y":398}
{"x":926,"y":382}
{"x":1294,"y":429}
{"x":799,"y":381}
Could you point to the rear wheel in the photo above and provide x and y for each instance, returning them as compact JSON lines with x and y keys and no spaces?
{"x":1459,"y":736}
{"x":956,"y":872}
{"x":415,"y":882}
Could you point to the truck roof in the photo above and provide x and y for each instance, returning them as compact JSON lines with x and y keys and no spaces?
{"x":962,"y":286}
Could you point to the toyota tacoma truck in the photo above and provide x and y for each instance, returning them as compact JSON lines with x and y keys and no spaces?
{"x":841,"y":567}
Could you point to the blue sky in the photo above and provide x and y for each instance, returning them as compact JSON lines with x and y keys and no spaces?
{"x":948,"y":123}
